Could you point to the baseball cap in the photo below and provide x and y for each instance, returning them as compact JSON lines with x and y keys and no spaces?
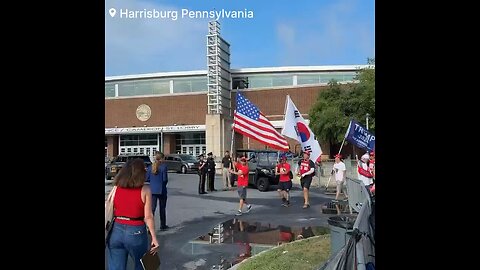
{"x":338,"y":156}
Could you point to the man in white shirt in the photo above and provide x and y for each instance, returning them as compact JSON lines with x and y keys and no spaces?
{"x":340,"y":172}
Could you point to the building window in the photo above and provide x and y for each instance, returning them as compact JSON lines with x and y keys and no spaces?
{"x":192,"y":84}
{"x":109,"y":89}
{"x":263,"y":81}
{"x":315,"y":78}
{"x":144,"y":87}
{"x":189,"y":138}
{"x":138,"y":139}
{"x":308,"y":79}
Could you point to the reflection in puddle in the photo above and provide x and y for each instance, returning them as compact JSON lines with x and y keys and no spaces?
{"x":234,"y":240}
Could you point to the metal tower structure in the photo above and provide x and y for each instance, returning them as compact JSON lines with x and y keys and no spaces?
{"x":219,"y":78}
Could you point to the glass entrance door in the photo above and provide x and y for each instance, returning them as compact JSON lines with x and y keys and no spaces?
{"x":148,"y":150}
{"x":194,"y":149}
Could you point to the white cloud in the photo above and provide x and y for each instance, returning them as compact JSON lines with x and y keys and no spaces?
{"x":134,"y":46}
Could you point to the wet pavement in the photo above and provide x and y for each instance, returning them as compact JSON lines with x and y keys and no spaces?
{"x":230,"y":242}
{"x":186,"y":245}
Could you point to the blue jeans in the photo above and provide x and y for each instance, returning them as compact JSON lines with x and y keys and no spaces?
{"x":127,"y":240}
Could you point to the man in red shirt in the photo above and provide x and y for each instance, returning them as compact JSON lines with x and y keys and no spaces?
{"x":305,"y":170}
{"x":285,"y":183}
{"x":242,"y":183}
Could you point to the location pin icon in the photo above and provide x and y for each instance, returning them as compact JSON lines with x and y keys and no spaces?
{"x":112,"y":12}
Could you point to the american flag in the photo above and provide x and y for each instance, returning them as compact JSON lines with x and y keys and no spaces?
{"x":250,"y":122}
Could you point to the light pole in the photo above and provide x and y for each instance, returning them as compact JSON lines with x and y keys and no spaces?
{"x":367,"y":119}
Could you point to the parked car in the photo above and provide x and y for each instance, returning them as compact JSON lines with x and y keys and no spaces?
{"x":116,"y":164}
{"x":261,"y":165}
{"x":182,"y":163}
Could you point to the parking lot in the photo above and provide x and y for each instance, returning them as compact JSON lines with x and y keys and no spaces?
{"x":191,"y":215}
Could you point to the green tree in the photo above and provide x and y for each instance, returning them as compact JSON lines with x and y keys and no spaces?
{"x":338,"y":104}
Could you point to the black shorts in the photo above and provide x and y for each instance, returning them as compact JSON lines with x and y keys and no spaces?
{"x":306,"y":182}
{"x":285,"y":185}
{"x":242,"y":192}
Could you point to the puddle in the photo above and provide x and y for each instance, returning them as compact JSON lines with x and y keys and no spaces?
{"x":234,"y":240}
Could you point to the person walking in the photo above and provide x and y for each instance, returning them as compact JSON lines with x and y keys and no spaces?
{"x":306,"y":169}
{"x":227,"y":165}
{"x":284,"y":183}
{"x":211,"y":172}
{"x":340,"y":172}
{"x":133,"y":215}
{"x":158,"y":177}
{"x":202,"y":173}
{"x":242,"y":183}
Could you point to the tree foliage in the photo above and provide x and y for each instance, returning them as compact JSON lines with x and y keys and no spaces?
{"x":339,"y":103}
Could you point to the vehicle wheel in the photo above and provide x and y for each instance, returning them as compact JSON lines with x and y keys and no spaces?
{"x":262,"y":184}
{"x":184,"y":169}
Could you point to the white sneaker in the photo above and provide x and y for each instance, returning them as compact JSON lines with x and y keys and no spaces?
{"x":249,"y":207}
{"x":239,"y":213}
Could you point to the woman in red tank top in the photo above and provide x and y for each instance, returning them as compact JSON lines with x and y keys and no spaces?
{"x":133,"y":214}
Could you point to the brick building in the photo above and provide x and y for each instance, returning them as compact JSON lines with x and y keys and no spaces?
{"x":169,"y":111}
{"x":191,"y":112}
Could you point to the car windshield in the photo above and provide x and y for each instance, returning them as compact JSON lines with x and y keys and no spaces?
{"x":267,"y":159}
{"x":188,"y":158}
{"x":145,"y":158}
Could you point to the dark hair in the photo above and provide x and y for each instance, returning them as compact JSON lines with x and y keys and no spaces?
{"x":131,"y":175}
{"x":159,"y":156}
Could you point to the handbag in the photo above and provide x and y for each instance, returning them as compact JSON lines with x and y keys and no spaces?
{"x":109,"y":217}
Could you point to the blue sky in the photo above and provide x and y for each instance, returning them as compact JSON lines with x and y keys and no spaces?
{"x":282,"y":33}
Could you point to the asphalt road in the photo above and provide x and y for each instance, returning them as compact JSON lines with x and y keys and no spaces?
{"x":191,"y":215}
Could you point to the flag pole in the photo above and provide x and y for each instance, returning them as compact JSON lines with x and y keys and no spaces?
{"x":339,"y":151}
{"x":285,"y":113}
{"x":285,"y":108}
{"x":233,"y":134}
{"x":346,"y":134}
{"x":232,"y":142}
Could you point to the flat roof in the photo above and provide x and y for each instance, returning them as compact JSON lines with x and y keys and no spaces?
{"x":239,"y":71}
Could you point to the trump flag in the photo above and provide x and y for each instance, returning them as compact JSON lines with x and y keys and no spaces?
{"x":360,"y":136}
{"x":296,"y":128}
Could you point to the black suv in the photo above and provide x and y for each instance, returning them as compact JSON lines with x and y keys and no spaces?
{"x":261,"y":165}
{"x":116,"y":164}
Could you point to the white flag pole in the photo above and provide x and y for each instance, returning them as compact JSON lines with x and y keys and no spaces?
{"x":284,"y":114}
{"x":232,"y":142}
{"x":346,"y":134}
{"x":233,"y":134}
